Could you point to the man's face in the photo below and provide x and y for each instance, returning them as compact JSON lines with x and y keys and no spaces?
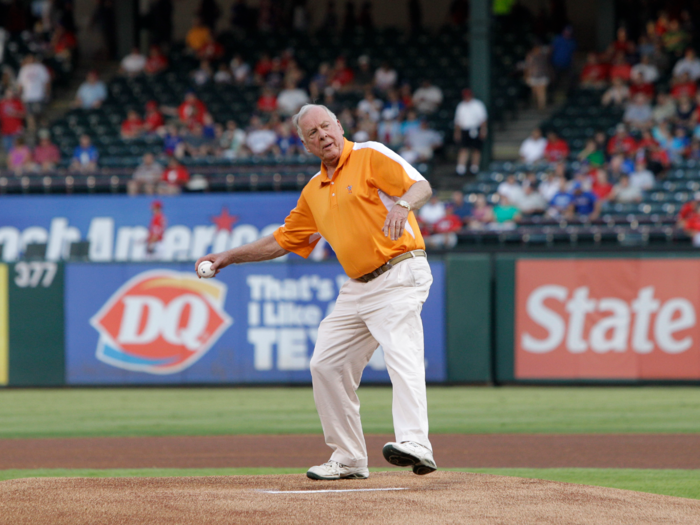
{"x":322,"y":135}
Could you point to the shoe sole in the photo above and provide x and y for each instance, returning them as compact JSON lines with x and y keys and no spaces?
{"x":402,"y":459}
{"x":316,"y":477}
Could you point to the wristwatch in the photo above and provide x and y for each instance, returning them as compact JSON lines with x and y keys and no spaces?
{"x":404,"y":204}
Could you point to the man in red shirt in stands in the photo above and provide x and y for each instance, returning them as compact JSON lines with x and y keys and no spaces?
{"x":594,"y":74}
{"x":621,"y":142}
{"x":175,"y":177}
{"x":12,"y":113}
{"x":638,"y":85}
{"x":683,"y":86}
{"x":556,"y":149}
{"x":620,"y":67}
{"x":192,"y":110}
{"x":132,"y":127}
{"x":156,"y":61}
{"x":342,"y":74}
{"x":154,"y":118}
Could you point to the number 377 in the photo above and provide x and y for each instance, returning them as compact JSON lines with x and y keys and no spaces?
{"x":31,"y":274}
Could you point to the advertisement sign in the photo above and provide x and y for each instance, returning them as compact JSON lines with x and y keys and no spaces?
{"x":607,"y":319}
{"x":117,"y":226}
{"x":254,"y":323}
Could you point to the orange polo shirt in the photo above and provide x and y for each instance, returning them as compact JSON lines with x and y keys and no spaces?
{"x":349,"y":210}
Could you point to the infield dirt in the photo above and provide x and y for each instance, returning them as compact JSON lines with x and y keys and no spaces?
{"x":666,"y":451}
{"x":439,"y":498}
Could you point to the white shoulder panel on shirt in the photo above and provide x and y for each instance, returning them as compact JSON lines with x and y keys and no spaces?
{"x":381,"y":148}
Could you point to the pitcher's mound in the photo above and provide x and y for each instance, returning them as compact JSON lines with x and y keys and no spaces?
{"x":388,"y":497}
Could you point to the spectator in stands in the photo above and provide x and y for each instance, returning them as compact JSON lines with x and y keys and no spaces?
{"x":460,"y":207}
{"x":678,"y":147}
{"x":288,"y":143}
{"x":638,"y":113}
{"x":557,"y":149}
{"x":173,"y":144}
{"x":389,"y":131}
{"x":617,"y":94}
{"x":290,"y":99}
{"x":191,"y":111}
{"x":594,"y":74}
{"x":641,"y":177}
{"x":685,"y":112}
{"x":648,"y":71}
{"x":510,"y":188}
{"x":584,"y":203}
{"x":691,"y":224}
{"x":675,"y":39}
{"x":683,"y":86}
{"x":537,"y":74}
{"x":385,"y":77}
{"x":223,"y":75}
{"x":132,"y":127}
{"x":174,"y":178}
{"x":550,"y":186}
{"x":621,"y":142}
{"x":422,"y":141}
{"x":133,"y":64}
{"x":146,"y":177}
{"x":260,"y":139}
{"x":19,"y":159}
{"x":444,"y":231}
{"x":34,"y":82}
{"x":592,"y":153}
{"x":531,"y":202}
{"x":427,"y":98}
{"x":153,"y":122}
{"x":393,"y":107}
{"x":622,"y":45}
{"x":624,"y":193}
{"x":560,"y":205}
{"x":85,"y":156}
{"x":431,"y":212}
{"x":63,"y":44}
{"x":532,"y":148}
{"x":198,"y":36}
{"x":157,"y":62}
{"x":202,"y":74}
{"x":91,"y":93}
{"x":639,"y":86}
{"x":370,"y":106}
{"x":470,"y":129}
{"x":197,"y":143}
{"x":505,"y":212}
{"x":12,"y":114}
{"x":46,"y":153}
{"x":563,"y":48}
{"x":601,"y":186}
{"x":482,"y":213}
{"x":240,"y":70}
{"x":267,"y":102}
{"x":342,"y":75}
{"x":664,"y":109}
{"x":234,"y":141}
{"x":689,"y":64}
{"x":620,"y":68}
{"x":364,"y":76}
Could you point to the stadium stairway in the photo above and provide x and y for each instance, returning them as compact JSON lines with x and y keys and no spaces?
{"x":507,"y":141}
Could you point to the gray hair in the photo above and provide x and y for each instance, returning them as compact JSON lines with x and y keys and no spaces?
{"x":303,"y":110}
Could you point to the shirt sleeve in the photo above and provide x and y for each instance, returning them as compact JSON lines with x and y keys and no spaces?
{"x":299,"y":233}
{"x":390,"y":172}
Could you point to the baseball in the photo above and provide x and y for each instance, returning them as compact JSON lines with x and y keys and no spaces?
{"x":204,"y":270}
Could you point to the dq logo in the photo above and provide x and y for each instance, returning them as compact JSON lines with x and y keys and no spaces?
{"x":161,"y":322}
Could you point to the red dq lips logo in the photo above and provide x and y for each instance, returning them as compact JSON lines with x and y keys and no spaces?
{"x":160,"y":322}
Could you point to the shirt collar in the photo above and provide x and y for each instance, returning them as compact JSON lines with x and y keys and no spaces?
{"x":347,"y":149}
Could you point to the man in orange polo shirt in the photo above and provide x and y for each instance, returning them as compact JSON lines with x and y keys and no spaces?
{"x":361,"y":203}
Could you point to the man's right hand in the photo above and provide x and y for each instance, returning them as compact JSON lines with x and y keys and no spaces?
{"x":217,"y":260}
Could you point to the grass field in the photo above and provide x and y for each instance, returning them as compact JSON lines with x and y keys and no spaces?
{"x":217,"y":411}
{"x":680,"y":483}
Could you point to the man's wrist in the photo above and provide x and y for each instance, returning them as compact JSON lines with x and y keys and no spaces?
{"x":404,"y":204}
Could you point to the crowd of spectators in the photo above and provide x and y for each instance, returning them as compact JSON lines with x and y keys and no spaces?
{"x":653,"y":80}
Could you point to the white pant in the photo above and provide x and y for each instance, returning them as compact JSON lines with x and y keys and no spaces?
{"x":386,"y":312}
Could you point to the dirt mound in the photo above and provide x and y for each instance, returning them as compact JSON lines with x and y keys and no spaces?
{"x":442,"y":497}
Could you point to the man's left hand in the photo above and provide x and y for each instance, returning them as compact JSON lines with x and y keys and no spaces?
{"x":395,"y":222}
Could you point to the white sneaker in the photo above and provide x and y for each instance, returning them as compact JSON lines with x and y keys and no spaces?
{"x":410,"y":454}
{"x":335,"y":470}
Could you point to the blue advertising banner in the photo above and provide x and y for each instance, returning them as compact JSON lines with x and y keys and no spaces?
{"x":254,"y":323}
{"x":117,"y":226}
